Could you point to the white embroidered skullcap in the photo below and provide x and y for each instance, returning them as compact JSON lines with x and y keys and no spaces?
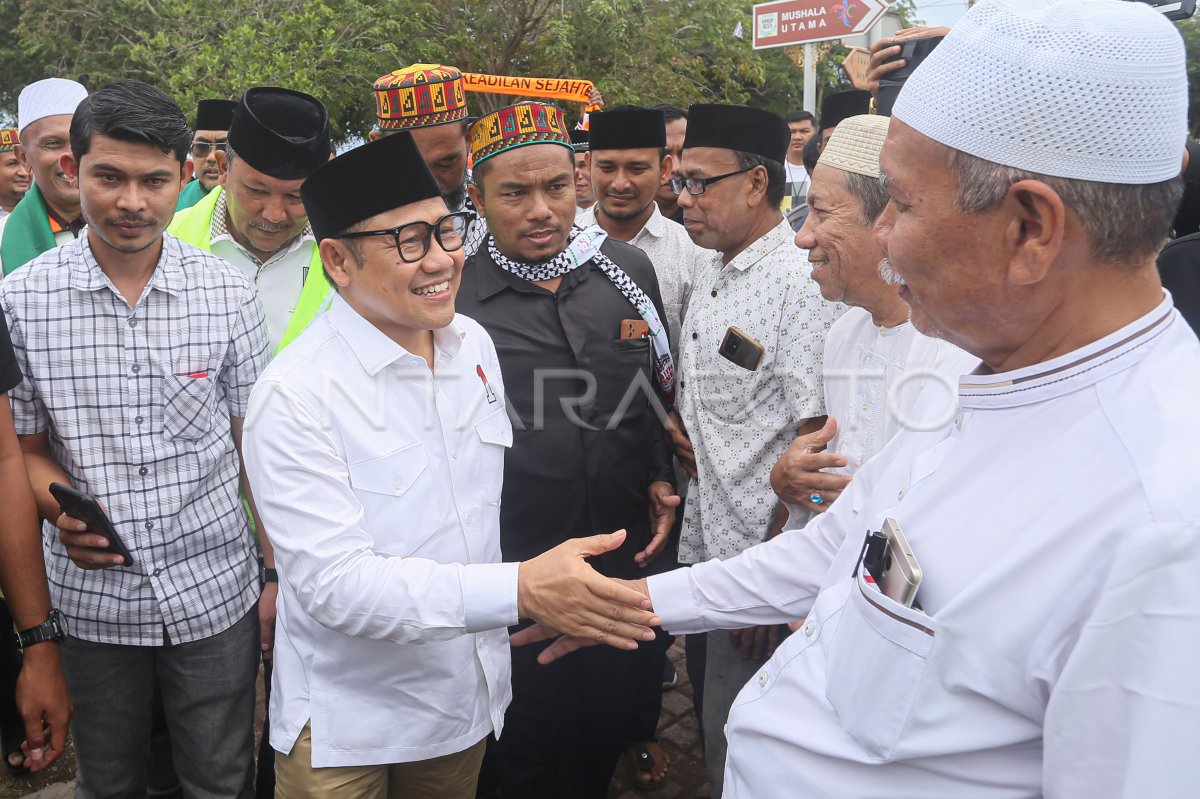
{"x":47,"y":98}
{"x":1085,"y":89}
{"x":855,"y":145}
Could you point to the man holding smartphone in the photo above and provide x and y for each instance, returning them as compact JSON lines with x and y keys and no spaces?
{"x":139,"y":353}
{"x":742,"y":396}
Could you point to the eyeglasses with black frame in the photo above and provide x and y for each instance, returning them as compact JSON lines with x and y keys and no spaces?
{"x":697,"y":186}
{"x":201,"y":148}
{"x":413,"y":240}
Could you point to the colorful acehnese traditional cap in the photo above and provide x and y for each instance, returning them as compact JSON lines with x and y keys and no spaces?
{"x":517,"y":126}
{"x":420,"y":96}
{"x":8,"y":139}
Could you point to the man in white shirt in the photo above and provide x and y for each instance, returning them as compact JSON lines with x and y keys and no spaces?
{"x":1055,"y":518}
{"x":255,"y":220}
{"x":876,"y":363}
{"x":375,"y":446}
{"x":737,"y":417}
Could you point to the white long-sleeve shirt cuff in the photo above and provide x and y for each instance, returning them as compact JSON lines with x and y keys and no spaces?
{"x":489,"y":596}
{"x":675,"y":602}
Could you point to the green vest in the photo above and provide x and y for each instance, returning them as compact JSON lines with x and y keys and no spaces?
{"x":194,"y":225}
{"x":192,"y":193}
{"x":27,"y":231}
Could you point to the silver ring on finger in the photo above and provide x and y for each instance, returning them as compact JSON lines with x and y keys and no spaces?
{"x":816,"y":498}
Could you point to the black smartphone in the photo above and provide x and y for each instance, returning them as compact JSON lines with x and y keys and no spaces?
{"x":913,"y":51}
{"x":84,"y":507}
{"x":739,"y":347}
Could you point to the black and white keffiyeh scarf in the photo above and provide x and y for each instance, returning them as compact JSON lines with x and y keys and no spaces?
{"x":584,"y":246}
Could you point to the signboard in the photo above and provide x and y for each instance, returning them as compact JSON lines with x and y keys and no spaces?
{"x":857,"y":64}
{"x":790,"y":22}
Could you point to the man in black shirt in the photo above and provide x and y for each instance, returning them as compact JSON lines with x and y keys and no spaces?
{"x":577,"y":322}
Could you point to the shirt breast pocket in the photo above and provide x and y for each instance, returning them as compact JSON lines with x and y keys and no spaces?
{"x":392,"y":474}
{"x":875,"y":663}
{"x":495,"y":435}
{"x":189,"y":405}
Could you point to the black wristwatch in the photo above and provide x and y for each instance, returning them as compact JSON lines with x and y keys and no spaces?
{"x":54,"y":628}
{"x":266,"y":575}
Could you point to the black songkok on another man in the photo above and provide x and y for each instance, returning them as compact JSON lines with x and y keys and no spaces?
{"x":292,"y":144}
{"x":627,"y":129}
{"x":347,"y":190}
{"x":737,"y":127}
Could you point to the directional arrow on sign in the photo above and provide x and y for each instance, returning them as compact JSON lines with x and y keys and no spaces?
{"x":783,"y":23}
{"x":874,"y":10}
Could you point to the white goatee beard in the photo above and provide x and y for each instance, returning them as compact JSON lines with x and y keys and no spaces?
{"x":889,"y":274}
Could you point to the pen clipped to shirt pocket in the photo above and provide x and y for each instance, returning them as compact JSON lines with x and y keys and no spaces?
{"x":875,"y":663}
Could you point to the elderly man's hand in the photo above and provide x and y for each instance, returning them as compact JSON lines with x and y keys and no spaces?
{"x":565,"y":644}
{"x":561,"y":591}
{"x":884,"y":49}
{"x":797,"y":477}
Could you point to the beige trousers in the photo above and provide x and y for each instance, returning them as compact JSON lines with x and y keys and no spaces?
{"x":447,"y":777}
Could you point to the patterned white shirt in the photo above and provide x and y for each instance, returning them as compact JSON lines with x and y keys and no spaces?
{"x":137,"y":404}
{"x":740,"y":422}
{"x":676,"y":258}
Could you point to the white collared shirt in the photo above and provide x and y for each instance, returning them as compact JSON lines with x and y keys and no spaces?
{"x":1057,"y":525}
{"x":676,"y":258}
{"x":379,"y":483}
{"x":279,"y":279}
{"x":740,"y":422}
{"x":874,"y":377}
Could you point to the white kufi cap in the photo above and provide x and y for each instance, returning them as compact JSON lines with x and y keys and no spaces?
{"x":1085,"y":89}
{"x":855,"y":145}
{"x":47,"y":98}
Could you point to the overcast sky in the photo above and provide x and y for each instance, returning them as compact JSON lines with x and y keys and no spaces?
{"x":940,"y":12}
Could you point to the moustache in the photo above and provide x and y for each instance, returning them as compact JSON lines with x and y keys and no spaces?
{"x":889,"y":274}
{"x":268,"y":227}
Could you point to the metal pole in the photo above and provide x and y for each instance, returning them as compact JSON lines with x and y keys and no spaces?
{"x":810,"y":80}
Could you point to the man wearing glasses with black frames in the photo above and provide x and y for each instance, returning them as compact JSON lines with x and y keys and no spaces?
{"x":375,"y":444}
{"x":735,"y":418}
{"x":213,"y":118}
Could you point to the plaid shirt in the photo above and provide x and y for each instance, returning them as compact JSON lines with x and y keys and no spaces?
{"x":137,"y":404}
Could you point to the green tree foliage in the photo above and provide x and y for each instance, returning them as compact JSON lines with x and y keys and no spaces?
{"x":636,"y":51}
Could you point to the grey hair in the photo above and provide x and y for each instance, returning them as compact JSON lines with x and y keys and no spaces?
{"x":1124,"y":223}
{"x":776,"y":174}
{"x":869,"y":192}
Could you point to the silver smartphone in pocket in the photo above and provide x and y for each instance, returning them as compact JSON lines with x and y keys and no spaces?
{"x":901,"y":575}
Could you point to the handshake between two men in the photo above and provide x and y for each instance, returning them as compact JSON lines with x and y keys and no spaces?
{"x":571,"y":600}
